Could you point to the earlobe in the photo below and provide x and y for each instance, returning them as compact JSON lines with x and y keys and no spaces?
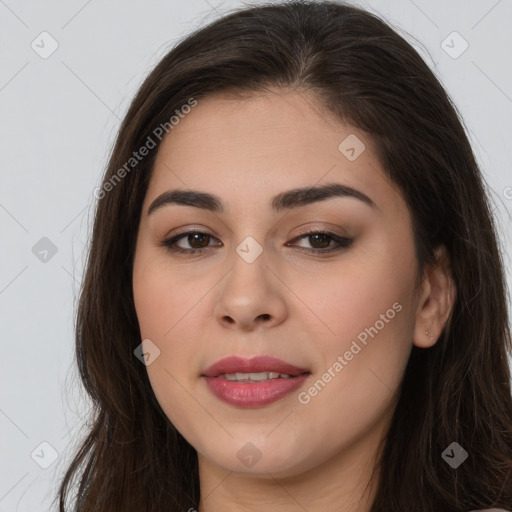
{"x":436,"y":300}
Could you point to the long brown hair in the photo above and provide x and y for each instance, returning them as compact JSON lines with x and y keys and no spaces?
{"x":364,"y":73}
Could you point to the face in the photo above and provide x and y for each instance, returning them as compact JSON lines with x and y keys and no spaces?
{"x":244,"y":274}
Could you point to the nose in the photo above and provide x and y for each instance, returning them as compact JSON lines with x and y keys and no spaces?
{"x":251,"y":296}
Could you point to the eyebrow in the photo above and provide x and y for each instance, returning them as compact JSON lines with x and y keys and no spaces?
{"x":294,"y":198}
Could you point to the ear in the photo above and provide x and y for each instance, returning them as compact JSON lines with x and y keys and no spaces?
{"x":436,"y":300}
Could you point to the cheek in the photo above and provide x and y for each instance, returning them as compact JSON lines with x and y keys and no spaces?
{"x":361,"y":294}
{"x":361,"y":367}
{"x":164,"y":301}
{"x":162,"y":316}
{"x":367,"y":320}
{"x":170,"y":314}
{"x":367,"y":345}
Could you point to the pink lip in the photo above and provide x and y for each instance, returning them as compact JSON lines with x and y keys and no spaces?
{"x":253,"y":394}
{"x":234,"y":364}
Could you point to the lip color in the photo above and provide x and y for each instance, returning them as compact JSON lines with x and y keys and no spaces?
{"x":252,"y":394}
{"x":247,"y":394}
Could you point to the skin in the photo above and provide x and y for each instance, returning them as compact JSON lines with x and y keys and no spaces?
{"x":200,"y":308}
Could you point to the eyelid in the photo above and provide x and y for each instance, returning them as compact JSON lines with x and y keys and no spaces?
{"x":171,"y":240}
{"x":340,"y":241}
{"x":312,"y":230}
{"x":302,"y":231}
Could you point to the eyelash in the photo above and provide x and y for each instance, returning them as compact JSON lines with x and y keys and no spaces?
{"x":341,"y":242}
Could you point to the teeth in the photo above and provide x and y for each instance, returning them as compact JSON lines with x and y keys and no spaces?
{"x":254,"y":377}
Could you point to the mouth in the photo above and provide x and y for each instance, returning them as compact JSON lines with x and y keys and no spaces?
{"x":255,"y":366}
{"x":255,"y":377}
{"x":253,"y":382}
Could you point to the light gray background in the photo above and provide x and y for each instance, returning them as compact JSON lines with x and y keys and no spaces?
{"x":59,"y":116}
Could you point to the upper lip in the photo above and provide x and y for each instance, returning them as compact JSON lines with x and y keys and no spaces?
{"x":235,"y":364}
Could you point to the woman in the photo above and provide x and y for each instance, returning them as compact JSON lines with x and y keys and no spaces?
{"x":294,"y":297}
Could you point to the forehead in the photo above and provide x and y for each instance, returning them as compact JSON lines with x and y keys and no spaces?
{"x":280,"y":123}
{"x":259,"y":145}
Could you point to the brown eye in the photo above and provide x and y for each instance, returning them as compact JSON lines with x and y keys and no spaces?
{"x":196,"y":240}
{"x":320,"y":240}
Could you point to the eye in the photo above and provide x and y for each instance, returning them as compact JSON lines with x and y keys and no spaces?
{"x":320,"y":240}
{"x":199,"y":242}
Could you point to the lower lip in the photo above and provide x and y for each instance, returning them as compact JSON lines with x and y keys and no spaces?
{"x":256,"y":394}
